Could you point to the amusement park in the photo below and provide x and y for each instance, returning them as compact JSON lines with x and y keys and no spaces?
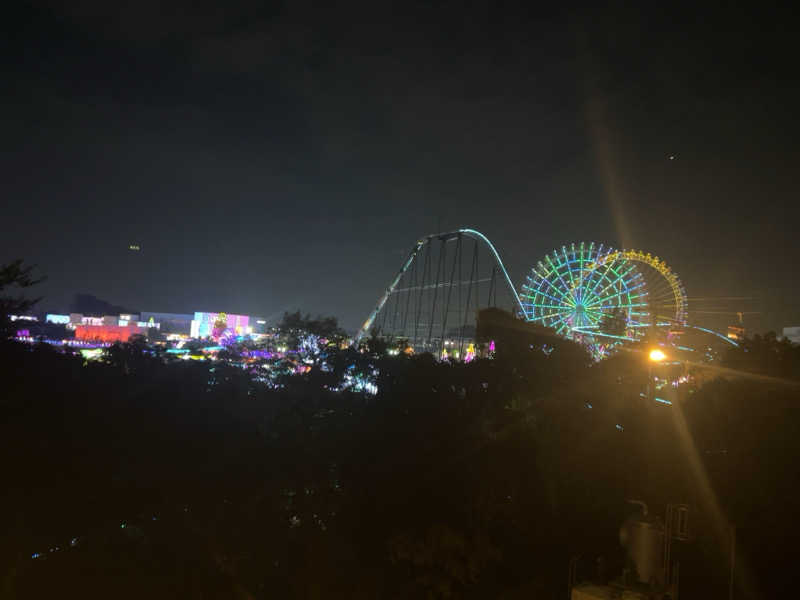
{"x":605,"y":299}
{"x":399,"y":300}
{"x":581,"y":381}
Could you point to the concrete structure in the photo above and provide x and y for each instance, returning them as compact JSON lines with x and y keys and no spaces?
{"x":170,"y":322}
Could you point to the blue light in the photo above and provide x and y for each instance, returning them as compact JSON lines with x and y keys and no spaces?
{"x":716,"y":333}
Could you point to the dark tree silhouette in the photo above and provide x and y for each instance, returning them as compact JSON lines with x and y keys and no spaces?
{"x":15,"y":277}
{"x":182,"y":478}
{"x":327,"y":327}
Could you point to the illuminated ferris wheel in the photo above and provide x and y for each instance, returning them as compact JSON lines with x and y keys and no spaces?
{"x":596,"y":295}
{"x":574,"y":291}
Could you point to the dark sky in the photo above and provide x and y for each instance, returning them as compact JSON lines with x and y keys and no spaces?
{"x":273,"y":156}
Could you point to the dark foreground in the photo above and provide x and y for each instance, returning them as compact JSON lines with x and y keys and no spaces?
{"x":140,"y":479}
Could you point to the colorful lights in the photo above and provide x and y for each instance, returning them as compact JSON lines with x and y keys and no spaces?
{"x":596,"y":295}
{"x":215,"y":325}
{"x":677,"y":304}
{"x":107,"y":333}
{"x":92,"y":353}
{"x":579,"y":302}
{"x":656,"y":355}
{"x":716,"y":333}
{"x":470,"y":354}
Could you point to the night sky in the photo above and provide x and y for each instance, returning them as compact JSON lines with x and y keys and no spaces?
{"x":277,"y":156}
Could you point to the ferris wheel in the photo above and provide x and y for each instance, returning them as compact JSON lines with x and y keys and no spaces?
{"x":596,"y":295}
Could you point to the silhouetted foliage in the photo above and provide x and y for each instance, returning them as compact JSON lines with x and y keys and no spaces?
{"x":14,"y":278}
{"x":177,"y":478}
{"x":766,"y":355}
{"x":324,"y":327}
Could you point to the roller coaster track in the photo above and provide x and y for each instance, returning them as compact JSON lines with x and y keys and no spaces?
{"x":413,"y":257}
{"x":435,"y":293}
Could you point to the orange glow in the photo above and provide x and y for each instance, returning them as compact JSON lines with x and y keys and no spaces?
{"x":107,"y":333}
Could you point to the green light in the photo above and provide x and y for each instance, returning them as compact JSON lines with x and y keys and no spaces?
{"x":579,"y":287}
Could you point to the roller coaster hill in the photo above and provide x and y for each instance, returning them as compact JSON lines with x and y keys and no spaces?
{"x":449,"y":295}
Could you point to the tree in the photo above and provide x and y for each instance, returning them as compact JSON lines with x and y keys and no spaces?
{"x":375,"y":344}
{"x":15,"y":275}
{"x":294,"y":324}
{"x":766,"y":355}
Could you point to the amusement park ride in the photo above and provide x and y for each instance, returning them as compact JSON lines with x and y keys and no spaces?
{"x":599,"y":296}
{"x":603,"y":298}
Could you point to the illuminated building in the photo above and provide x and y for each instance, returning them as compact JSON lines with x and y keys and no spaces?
{"x":203,"y":324}
{"x":170,"y":322}
{"x":259,"y":325}
{"x":108,"y":333}
{"x":75,"y":320}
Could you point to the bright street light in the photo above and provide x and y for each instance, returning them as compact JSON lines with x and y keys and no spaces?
{"x":657,"y":355}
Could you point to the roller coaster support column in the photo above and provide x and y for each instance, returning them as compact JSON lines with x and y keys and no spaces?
{"x":371,"y":318}
{"x":477,"y":235}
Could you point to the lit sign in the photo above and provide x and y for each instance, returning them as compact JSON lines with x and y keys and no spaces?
{"x":57,"y":319}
